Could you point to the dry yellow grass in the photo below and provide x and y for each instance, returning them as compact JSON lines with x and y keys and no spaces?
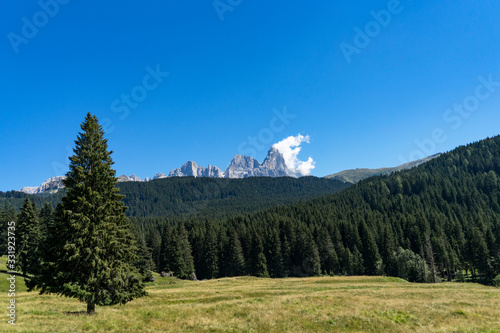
{"x":323,"y":304}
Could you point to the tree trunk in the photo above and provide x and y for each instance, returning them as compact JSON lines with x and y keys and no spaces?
{"x":90,"y":308}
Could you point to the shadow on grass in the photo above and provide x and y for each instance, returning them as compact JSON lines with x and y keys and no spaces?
{"x":77,"y":313}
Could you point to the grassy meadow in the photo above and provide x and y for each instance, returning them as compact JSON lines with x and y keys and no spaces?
{"x":247,"y":304}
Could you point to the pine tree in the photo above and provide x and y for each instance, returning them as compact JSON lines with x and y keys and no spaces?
{"x":328,"y":256}
{"x":28,"y":239}
{"x":153,"y":241}
{"x":187,"y":253}
{"x":369,"y":250}
{"x":144,"y":262}
{"x":260,"y":266}
{"x":166,"y":237}
{"x":234,"y":253}
{"x":46,"y":219}
{"x":91,"y":251}
{"x":210,"y":254}
{"x":275,"y":266}
{"x":311,"y":263}
{"x":179,"y":257}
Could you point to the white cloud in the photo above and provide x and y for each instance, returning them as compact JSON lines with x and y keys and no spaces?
{"x":290,"y":149}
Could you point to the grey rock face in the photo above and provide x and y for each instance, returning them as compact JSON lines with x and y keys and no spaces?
{"x":159,"y":176}
{"x":190,"y":168}
{"x":274,"y":165}
{"x":52,"y":184}
{"x":241,"y":167}
{"x":133,"y":178}
{"x":244,"y":166}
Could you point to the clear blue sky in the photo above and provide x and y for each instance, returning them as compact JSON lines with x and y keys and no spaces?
{"x":227,"y":76}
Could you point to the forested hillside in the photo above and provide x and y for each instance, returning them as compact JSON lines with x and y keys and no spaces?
{"x":440,"y":220}
{"x":214,"y":197}
{"x":15,"y":199}
{"x":186,"y":196}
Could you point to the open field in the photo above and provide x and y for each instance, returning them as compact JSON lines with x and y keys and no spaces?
{"x":247,"y":304}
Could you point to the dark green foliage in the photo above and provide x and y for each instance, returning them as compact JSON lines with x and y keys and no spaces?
{"x":178,"y":254}
{"x":202,"y":197}
{"x":329,"y":261}
{"x":28,"y":237}
{"x":234,"y":258}
{"x":429,"y":223}
{"x":496,"y":281}
{"x":16,"y":199}
{"x":275,"y":256}
{"x":370,"y":250}
{"x":46,"y":218}
{"x":259,"y":265}
{"x":411,"y":266}
{"x":209,"y":254}
{"x":90,"y":249}
{"x":153,"y":241}
{"x":213,"y":197}
{"x":144,"y":262}
{"x":424,"y":224}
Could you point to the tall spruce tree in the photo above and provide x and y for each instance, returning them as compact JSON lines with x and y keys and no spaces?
{"x":234,"y":255}
{"x":210,"y":266}
{"x":28,"y":235}
{"x":90,"y":252}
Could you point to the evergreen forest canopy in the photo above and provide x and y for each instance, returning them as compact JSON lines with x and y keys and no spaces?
{"x":186,"y":196}
{"x":437,"y":221}
{"x":440,"y":220}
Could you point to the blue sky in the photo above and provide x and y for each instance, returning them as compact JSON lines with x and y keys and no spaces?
{"x":373,"y":83}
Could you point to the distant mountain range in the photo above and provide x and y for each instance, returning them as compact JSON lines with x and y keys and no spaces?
{"x":240,"y":167}
{"x":355,"y":175}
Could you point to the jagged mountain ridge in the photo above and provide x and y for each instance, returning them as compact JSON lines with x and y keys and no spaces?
{"x":50,"y":185}
{"x":240,"y":167}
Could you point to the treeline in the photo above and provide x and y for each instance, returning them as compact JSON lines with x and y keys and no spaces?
{"x":201,"y":197}
{"x":215,"y":197}
{"x":438,"y":221}
{"x":16,"y":199}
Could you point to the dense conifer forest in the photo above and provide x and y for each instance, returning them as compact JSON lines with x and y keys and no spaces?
{"x":438,"y":221}
{"x":186,"y":196}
